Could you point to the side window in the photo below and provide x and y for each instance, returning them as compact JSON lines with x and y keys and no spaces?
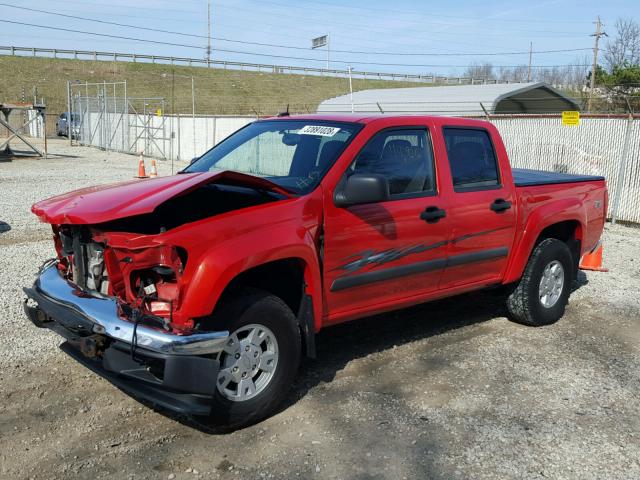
{"x":404,"y":157}
{"x":329,"y":148}
{"x":472,"y":158}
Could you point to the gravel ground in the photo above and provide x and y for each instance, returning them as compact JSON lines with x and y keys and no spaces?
{"x":436,"y":391}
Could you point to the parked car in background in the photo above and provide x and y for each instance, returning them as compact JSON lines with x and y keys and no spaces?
{"x":62,"y":125}
{"x":202,"y":291}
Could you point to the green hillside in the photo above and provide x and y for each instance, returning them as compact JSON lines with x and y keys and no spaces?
{"x":217,"y":91}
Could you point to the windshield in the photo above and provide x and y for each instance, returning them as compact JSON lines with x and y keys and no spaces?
{"x":294,"y":154}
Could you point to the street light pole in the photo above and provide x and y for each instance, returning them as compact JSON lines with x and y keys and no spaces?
{"x":530,"y":55}
{"x":208,"y":33}
{"x":328,"y":52}
{"x":350,"y":90}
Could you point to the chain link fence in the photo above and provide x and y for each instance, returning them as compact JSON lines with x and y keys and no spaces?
{"x":607,"y":146}
{"x":600,"y":145}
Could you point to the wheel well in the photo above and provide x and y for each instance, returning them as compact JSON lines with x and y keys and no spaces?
{"x":282,"y":278}
{"x":570,"y":232}
{"x":565,"y":231}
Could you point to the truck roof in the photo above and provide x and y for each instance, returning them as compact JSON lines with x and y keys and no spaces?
{"x":368,"y":118}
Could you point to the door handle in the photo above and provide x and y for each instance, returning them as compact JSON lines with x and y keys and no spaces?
{"x":500,"y":204}
{"x":432,"y":214}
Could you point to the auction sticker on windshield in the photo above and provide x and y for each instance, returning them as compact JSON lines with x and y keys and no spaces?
{"x":321,"y":130}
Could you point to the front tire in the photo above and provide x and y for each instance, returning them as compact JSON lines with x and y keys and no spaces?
{"x":260,"y":360}
{"x":542,"y":294}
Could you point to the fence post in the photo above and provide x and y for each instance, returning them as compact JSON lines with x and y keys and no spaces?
{"x":622,"y":168}
{"x":70,"y":113}
{"x":178,"y":149}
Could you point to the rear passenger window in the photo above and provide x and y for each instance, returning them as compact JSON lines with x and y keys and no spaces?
{"x":472,"y":158}
{"x":404,"y":157}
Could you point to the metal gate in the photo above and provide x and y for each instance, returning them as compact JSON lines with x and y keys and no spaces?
{"x":103,"y":116}
{"x":148,"y":127}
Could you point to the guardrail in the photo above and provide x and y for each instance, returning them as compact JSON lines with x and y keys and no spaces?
{"x":115,"y":56}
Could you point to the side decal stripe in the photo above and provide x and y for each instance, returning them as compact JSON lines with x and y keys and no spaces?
{"x":350,"y":281}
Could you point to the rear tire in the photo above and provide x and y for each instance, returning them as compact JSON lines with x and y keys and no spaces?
{"x":243,"y":315}
{"x":542,"y":294}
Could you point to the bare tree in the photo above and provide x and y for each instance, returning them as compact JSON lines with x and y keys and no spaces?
{"x":519,"y":73}
{"x":551,"y":75}
{"x":576,"y":74}
{"x":624,"y":48}
{"x":480,"y":70}
{"x":569,"y":76}
{"x":504,"y":74}
{"x":512,"y":74}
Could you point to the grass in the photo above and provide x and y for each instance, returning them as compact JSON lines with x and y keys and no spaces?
{"x":217,"y":91}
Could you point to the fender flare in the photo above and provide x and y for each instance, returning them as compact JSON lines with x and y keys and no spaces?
{"x":542,"y":217}
{"x":220,"y":264}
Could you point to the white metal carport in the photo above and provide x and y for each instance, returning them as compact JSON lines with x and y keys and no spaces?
{"x":512,"y":98}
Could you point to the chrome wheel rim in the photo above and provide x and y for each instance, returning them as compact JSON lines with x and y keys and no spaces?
{"x":551,"y":284}
{"x":247,"y":363}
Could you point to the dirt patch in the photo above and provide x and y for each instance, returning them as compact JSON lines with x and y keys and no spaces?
{"x":441,"y":391}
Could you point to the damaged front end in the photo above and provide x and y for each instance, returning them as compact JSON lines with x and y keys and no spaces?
{"x":116,"y":291}
{"x":115,"y":298}
{"x":144,"y":276}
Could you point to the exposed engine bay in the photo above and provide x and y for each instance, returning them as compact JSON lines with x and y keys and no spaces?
{"x":146,"y":277}
{"x":203,"y":202}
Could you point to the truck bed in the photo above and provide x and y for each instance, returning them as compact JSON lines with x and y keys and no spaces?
{"x":523,"y":177}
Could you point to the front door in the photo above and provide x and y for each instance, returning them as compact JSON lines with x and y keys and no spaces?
{"x":378,"y":254}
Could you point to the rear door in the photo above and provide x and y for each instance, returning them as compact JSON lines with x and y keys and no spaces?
{"x":383,"y":253}
{"x":481,"y":209}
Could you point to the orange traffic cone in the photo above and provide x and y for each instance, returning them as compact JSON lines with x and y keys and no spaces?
{"x":141,"y":171}
{"x":154,"y":170}
{"x":593,"y":261}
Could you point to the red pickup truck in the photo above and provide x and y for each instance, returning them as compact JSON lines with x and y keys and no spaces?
{"x":202,"y":291}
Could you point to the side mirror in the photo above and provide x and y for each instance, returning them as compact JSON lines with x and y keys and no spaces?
{"x":362,"y":188}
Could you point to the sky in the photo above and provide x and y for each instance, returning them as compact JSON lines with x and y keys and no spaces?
{"x":403,"y":36}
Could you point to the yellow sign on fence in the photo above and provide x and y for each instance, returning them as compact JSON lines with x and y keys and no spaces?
{"x":159,"y":113}
{"x":571,"y":118}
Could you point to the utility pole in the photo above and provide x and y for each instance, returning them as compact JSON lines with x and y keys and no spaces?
{"x":599,"y":33}
{"x":208,"y":33}
{"x":530,"y":55}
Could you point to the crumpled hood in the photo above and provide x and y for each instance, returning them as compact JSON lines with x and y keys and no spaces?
{"x":110,"y":202}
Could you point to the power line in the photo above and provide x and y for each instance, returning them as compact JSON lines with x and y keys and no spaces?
{"x":290,"y":27}
{"x":432,"y":15}
{"x":157,"y":42}
{"x":244,"y":42}
{"x":417,"y":17}
{"x":265,"y":54}
{"x":369,"y":27}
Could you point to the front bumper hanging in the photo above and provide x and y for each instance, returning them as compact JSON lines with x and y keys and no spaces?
{"x":176,"y":371}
